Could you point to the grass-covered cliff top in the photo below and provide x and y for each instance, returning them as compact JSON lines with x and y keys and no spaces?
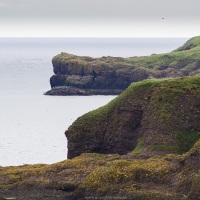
{"x":185,"y":59}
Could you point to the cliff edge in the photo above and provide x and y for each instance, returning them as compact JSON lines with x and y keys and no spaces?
{"x":162,"y":114}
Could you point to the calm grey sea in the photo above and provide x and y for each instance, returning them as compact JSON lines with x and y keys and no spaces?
{"x":32,"y":125}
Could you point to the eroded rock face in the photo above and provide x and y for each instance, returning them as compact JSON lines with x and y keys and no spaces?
{"x":165,"y":114}
{"x":89,"y":73}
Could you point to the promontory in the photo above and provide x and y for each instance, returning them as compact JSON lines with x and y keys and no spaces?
{"x":83,"y":75}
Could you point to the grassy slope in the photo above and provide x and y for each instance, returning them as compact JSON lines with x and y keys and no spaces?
{"x":173,"y":104}
{"x":185,"y":58}
{"x":189,"y":53}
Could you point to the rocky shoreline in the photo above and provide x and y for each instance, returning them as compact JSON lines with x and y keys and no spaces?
{"x":70,"y":91}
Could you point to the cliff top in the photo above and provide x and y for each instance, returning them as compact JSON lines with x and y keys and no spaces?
{"x":175,"y":59}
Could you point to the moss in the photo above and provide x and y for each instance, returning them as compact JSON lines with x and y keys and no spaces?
{"x":186,"y":140}
{"x":126,"y":176}
{"x":164,"y":148}
{"x":139,"y":147}
{"x":102,"y":113}
{"x":101,"y":175}
{"x":194,"y":149}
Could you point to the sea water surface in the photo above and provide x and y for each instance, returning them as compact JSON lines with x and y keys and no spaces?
{"x":32,"y":125}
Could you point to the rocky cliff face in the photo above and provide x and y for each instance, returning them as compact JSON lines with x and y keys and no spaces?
{"x":115,"y":73}
{"x":164,"y":114}
{"x":86,"y":72}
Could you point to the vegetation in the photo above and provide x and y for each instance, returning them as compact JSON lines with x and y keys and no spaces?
{"x":139,"y":147}
{"x":186,"y":59}
{"x":105,"y":175}
{"x":186,"y":140}
{"x":168,"y":110}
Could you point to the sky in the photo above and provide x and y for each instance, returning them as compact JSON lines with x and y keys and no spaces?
{"x":99,"y":18}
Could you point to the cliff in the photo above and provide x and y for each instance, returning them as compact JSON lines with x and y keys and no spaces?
{"x":162,"y":114}
{"x":152,"y":130}
{"x":116,"y":74}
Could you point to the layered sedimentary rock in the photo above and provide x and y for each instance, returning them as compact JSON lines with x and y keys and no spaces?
{"x":116,"y":74}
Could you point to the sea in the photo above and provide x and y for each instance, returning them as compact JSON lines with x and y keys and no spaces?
{"x":32,"y":125}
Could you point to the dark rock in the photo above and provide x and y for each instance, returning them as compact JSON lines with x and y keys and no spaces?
{"x":70,"y":91}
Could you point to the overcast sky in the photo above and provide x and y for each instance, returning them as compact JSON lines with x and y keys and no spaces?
{"x":99,"y":18}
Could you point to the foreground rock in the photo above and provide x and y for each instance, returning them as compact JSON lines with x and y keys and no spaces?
{"x":100,"y":176}
{"x":69,"y":91}
{"x":115,"y":73}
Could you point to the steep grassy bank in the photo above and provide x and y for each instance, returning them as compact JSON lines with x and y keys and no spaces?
{"x":163,"y":114}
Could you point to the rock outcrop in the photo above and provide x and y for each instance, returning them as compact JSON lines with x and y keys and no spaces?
{"x":70,"y":91}
{"x":163,"y":113}
{"x":116,"y":74}
{"x":106,"y":176}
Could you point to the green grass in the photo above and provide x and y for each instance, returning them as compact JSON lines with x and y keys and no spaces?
{"x":137,"y":92}
{"x":186,"y":58}
{"x":186,"y":140}
{"x":139,"y":147}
